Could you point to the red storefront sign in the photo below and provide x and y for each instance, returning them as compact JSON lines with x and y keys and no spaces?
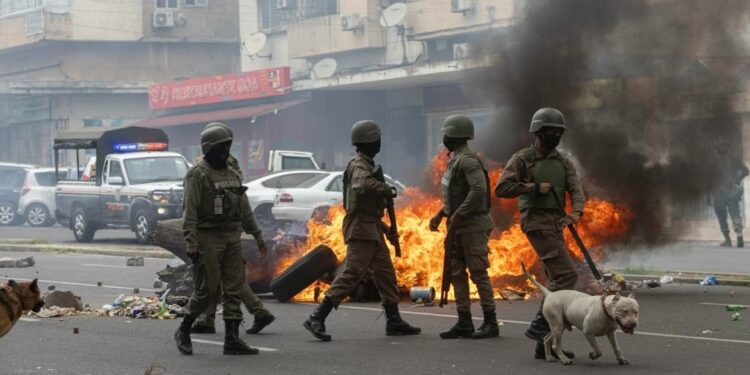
{"x":229,"y":87}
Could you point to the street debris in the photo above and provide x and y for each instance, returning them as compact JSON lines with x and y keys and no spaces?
{"x":512,"y":294}
{"x":76,"y":330}
{"x":736,"y":316}
{"x":732,"y":308}
{"x":63,"y":299}
{"x":135,"y":262}
{"x":422,"y":294}
{"x":707,"y":332}
{"x":709,"y":280}
{"x":7,"y":262}
{"x":664,"y":280}
{"x":178,"y":280}
{"x":651,"y":283}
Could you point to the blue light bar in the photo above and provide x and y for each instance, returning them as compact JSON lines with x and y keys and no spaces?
{"x":130,"y":147}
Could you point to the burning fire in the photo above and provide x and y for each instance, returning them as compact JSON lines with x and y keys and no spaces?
{"x":422,"y":250}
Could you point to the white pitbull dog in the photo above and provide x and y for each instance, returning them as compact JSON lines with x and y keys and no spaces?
{"x":595,"y":316}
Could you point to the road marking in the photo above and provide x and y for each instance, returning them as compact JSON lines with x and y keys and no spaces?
{"x":716,"y":304}
{"x":219,"y":343}
{"x":655,"y":334}
{"x":25,"y":319}
{"x":81,"y":284}
{"x":102,"y":265}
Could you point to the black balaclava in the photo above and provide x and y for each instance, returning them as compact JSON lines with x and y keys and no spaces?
{"x":549,"y":139}
{"x":370,"y":149}
{"x":452,"y":144}
{"x":217,"y":156}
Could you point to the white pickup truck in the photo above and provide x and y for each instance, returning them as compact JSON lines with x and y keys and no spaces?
{"x":137,"y":183}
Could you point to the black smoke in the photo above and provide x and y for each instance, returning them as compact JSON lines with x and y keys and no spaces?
{"x":646,"y":63}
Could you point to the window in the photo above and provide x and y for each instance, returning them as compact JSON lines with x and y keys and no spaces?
{"x":336,"y":185}
{"x":196,"y":3}
{"x":144,"y":170}
{"x":47,"y":178}
{"x":115,"y":169}
{"x":293,"y":162}
{"x":278,"y":13}
{"x":297,"y":179}
{"x":312,"y":182}
{"x":12,"y":177}
{"x":166,"y":4}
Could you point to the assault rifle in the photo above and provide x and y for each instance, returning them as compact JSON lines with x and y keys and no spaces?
{"x":448,"y":250}
{"x":393,"y":232}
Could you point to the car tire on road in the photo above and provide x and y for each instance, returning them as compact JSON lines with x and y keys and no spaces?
{"x":305,"y":271}
{"x":8,"y":215}
{"x":143,"y":225}
{"x":38,"y":215}
{"x":83,"y":229}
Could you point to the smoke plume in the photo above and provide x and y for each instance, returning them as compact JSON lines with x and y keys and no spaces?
{"x":634,"y":79}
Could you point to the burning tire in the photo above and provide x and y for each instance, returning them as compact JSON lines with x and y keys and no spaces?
{"x":305,"y":271}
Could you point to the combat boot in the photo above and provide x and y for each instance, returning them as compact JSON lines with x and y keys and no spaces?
{"x":260,"y":322}
{"x":538,"y":329}
{"x":232,"y":342}
{"x":740,"y":242}
{"x":489,"y":327}
{"x":182,"y":336}
{"x":316,"y":323}
{"x":463,"y":328}
{"x":727,"y":240}
{"x":395,"y":326}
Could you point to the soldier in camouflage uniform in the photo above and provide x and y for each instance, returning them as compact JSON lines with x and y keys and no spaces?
{"x":364,"y":201}
{"x":263,"y":317}
{"x":536,"y":175}
{"x":215,"y":209}
{"x":727,"y":193}
{"x":466,"y":202}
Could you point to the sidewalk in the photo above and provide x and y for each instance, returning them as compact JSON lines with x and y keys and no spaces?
{"x":13,"y":245}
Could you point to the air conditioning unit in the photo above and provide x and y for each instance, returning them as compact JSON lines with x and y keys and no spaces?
{"x":285,"y":4}
{"x":163,"y":18}
{"x":462,"y":6}
{"x":461,"y":51}
{"x":351,"y":23}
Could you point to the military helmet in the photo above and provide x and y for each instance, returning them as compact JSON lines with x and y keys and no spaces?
{"x":213,"y":136}
{"x":365,"y":131}
{"x":219,"y":124}
{"x":547,"y":117}
{"x":458,"y":126}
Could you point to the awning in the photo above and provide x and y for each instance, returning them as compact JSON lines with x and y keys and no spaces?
{"x":218,"y":115}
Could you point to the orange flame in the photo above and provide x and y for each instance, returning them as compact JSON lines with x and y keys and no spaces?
{"x":422,"y":250}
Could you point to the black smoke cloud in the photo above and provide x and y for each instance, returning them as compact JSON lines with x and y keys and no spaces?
{"x":633,"y":146}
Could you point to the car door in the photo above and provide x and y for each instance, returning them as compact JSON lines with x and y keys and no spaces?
{"x":114,"y":204}
{"x":335,"y":191}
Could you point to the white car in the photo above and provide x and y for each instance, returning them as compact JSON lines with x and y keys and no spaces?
{"x":316,"y":195}
{"x":37,"y":202}
{"x":262,"y":192}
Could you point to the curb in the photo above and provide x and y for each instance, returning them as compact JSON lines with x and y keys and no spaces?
{"x":147,"y":252}
{"x":722,"y":279}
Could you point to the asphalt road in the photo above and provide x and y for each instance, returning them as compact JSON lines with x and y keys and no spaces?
{"x":683,"y":330}
{"x":58,"y":234}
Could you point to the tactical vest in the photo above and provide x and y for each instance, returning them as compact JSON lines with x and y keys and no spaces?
{"x":358,"y":204}
{"x":223,"y":203}
{"x":452,"y":197}
{"x":553,"y":171}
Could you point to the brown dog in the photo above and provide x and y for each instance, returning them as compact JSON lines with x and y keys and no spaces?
{"x":15,"y":298}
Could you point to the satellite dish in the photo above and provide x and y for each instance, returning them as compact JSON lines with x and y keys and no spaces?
{"x":325,"y":68}
{"x":255,"y":43}
{"x":414,"y":51}
{"x":393,"y":15}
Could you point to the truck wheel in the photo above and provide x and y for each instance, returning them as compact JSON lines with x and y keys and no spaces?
{"x":143,"y":225}
{"x":305,"y":271}
{"x":83,"y":229}
{"x":38,"y":215}
{"x":7,"y":213}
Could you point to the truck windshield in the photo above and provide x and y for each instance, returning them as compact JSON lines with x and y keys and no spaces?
{"x":143,"y":170}
{"x":296,"y":162}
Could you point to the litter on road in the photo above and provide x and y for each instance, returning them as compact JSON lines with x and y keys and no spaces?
{"x":7,"y":262}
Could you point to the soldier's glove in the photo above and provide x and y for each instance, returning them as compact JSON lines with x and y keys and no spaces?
{"x":193,"y":253}
{"x":436,"y":220}
{"x":570,"y":219}
{"x":262,"y":248}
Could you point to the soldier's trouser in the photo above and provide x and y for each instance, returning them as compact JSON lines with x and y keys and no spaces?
{"x":724,"y":205}
{"x":470,"y":251}
{"x":558,"y":266}
{"x":359,"y":256}
{"x":220,"y":264}
{"x":247,"y":297}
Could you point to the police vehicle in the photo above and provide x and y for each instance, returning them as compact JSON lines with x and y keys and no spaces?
{"x":138,"y":182}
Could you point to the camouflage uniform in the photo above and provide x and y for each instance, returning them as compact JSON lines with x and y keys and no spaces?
{"x":727,"y":196}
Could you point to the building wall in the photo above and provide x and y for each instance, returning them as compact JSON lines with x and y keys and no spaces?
{"x":218,"y":20}
{"x":432,"y":16}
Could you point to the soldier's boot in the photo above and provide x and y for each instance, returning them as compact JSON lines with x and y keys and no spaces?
{"x":538,"y":329}
{"x":260,"y":322}
{"x":463,"y":328}
{"x":182,"y":336}
{"x":232,"y":342}
{"x":489,"y":327}
{"x":740,"y":242}
{"x":727,"y":240}
{"x":394,"y":325}
{"x":316,"y":323}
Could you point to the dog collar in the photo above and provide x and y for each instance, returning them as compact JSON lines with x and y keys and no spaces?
{"x":604,"y":307}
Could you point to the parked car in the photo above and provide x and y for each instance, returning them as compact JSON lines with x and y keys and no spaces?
{"x":314,"y":197}
{"x":262,"y":192}
{"x":12,"y":177}
{"x":37,"y":202}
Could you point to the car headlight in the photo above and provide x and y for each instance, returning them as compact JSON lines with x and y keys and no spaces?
{"x":160,"y":198}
